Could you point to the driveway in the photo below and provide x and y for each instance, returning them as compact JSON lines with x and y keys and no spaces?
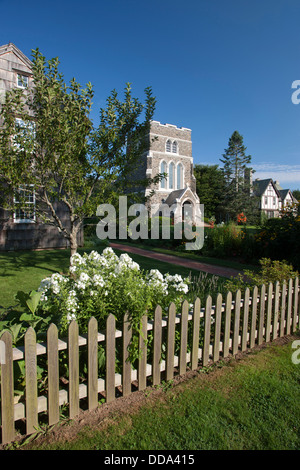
{"x":188,"y":263}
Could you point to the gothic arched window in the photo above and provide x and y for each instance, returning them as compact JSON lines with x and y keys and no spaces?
{"x":168,"y":146}
{"x":163,"y":169}
{"x":174,"y":147}
{"x":171,"y":175}
{"x":179,"y":176}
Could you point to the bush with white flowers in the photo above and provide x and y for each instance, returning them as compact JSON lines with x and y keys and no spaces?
{"x":100,"y":284}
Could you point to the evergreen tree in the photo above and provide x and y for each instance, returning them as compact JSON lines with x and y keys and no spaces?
{"x":237,"y":176}
{"x":209,"y":187}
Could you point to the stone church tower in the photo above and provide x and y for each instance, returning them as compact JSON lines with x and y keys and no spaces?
{"x":171,"y":153}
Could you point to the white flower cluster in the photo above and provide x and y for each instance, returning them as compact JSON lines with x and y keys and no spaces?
{"x":177,"y":283}
{"x":71,"y":305}
{"x":167,"y":282}
{"x":98,"y":278}
{"x":51,"y":284}
{"x":125,"y":262}
{"x":156,"y":280}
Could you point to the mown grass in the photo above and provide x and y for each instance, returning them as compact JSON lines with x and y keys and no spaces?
{"x":251,"y":404}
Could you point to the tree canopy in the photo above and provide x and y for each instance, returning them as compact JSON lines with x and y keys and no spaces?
{"x":209,"y":187}
{"x":54,"y":149}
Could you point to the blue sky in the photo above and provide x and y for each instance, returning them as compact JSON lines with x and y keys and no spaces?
{"x":215,"y":66}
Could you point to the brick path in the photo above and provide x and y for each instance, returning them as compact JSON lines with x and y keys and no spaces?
{"x":208,"y":268}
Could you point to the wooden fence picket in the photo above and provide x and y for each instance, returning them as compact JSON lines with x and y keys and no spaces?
{"x":276,"y":310}
{"x":157,"y":339}
{"x":183,"y":337}
{"x":53,"y":375}
{"x":218,"y":318}
{"x":253,"y":316}
{"x":289,"y":306}
{"x":283,"y":309}
{"x":31,"y":381}
{"x":73,"y":351}
{"x":296,"y":305}
{"x":7,"y":390}
{"x":227,"y":324}
{"x":110,"y":355}
{"x":170,"y":342}
{"x":245,"y":319}
{"x":92,"y":363}
{"x":236,"y":324}
{"x":262,"y":302}
{"x":126,"y":376}
{"x":207,"y":326}
{"x":269,"y":312}
{"x":196,"y":334}
{"x":142,"y":362}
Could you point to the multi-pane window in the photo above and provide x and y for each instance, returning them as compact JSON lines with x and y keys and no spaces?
{"x":171,"y":147}
{"x":163,"y":169}
{"x":24,"y":205}
{"x":174,"y":147}
{"x":22,"y":81}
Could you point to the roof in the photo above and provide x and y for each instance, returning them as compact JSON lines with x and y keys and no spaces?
{"x":177,"y":194}
{"x":283,"y":193}
{"x":260,"y":186}
{"x":10,"y":47}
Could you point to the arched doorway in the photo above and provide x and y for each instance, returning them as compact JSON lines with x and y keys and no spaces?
{"x":187,"y":211}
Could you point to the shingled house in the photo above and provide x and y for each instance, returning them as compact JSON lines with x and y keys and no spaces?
{"x":23,"y":229}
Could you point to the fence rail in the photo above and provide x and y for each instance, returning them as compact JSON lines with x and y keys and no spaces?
{"x":205,"y":334}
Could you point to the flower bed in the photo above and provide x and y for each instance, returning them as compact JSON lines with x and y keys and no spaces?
{"x":100,"y":284}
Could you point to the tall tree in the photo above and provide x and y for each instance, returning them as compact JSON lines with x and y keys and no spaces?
{"x":209,"y":187}
{"x":237,"y":176}
{"x":55,"y":151}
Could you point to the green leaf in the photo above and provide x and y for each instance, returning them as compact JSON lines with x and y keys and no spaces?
{"x":30,"y":300}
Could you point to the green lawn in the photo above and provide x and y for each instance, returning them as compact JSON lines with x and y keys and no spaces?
{"x":251,"y":404}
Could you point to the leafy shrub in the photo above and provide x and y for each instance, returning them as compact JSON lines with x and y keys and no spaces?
{"x":279,"y":238}
{"x":271,"y":271}
{"x":102,"y":284}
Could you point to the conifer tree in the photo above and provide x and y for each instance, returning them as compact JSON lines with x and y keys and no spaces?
{"x":238,"y":196}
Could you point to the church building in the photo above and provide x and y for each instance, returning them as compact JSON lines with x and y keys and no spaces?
{"x":171,"y":154}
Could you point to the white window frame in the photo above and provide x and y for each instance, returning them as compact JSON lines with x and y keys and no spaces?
{"x":29,"y":205}
{"x":168,"y":146}
{"x":22,"y":78}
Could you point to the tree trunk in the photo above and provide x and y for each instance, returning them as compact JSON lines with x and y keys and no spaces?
{"x":73,"y":242}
